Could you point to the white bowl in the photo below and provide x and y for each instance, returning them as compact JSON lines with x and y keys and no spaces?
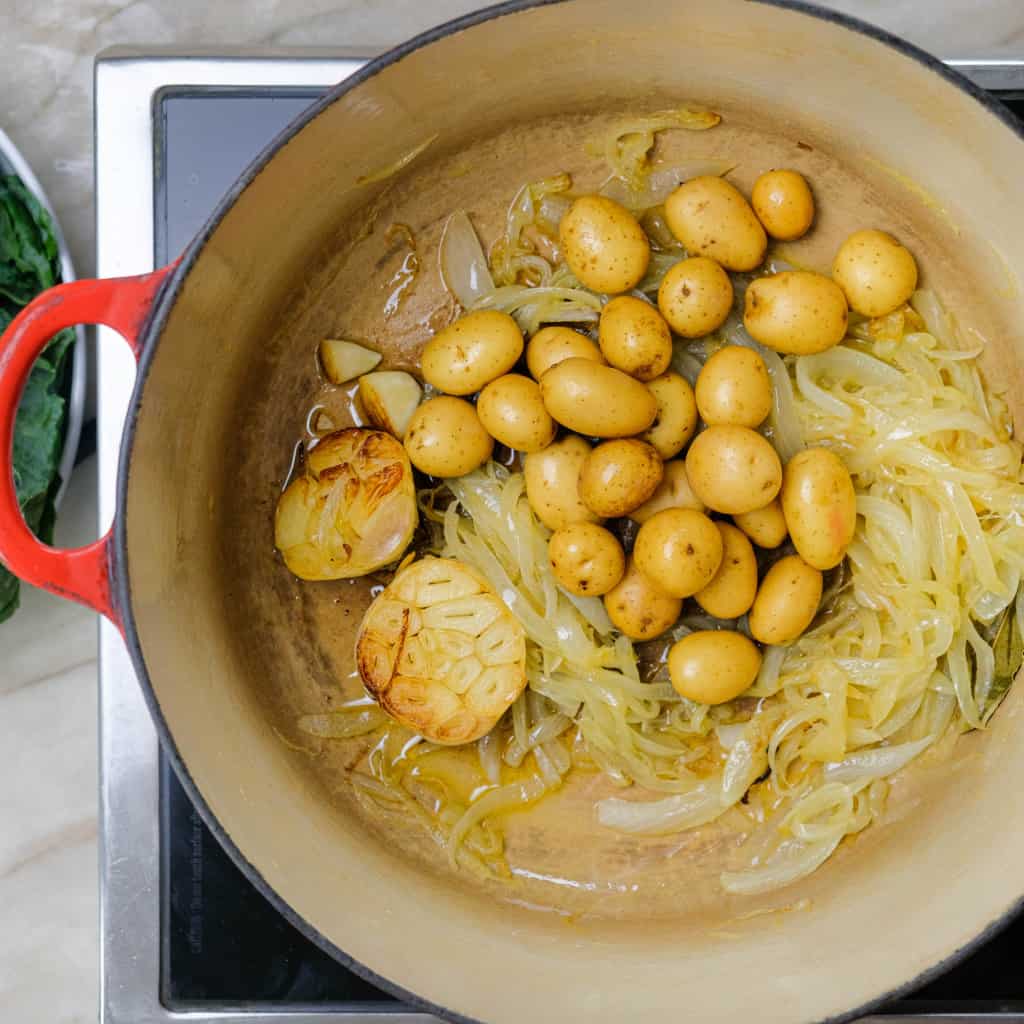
{"x":12,"y":162}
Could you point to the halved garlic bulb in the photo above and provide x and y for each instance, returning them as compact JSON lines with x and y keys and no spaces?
{"x":441,"y":653}
{"x":352,"y":511}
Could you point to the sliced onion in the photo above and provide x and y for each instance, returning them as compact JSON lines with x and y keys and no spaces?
{"x":665,"y":178}
{"x":660,"y":182}
{"x":489,"y":749}
{"x":341,"y":725}
{"x":730,"y":734}
{"x":504,"y":798}
{"x":767,"y":681}
{"x":593,"y":610}
{"x":784,"y":422}
{"x":661,"y":817}
{"x":974,"y":537}
{"x":547,"y":768}
{"x":685,"y":363}
{"x":866,"y":765}
{"x":746,"y":763}
{"x":512,"y":297}
{"x":546,"y":729}
{"x":823,"y":399}
{"x":520,"y":722}
{"x":552,"y":208}
{"x":464,"y":268}
{"x":559,"y":756}
{"x":847,"y":364}
{"x":793,"y":860}
{"x":936,"y":319}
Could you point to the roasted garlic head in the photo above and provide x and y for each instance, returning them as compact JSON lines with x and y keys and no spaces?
{"x":352,"y":511}
{"x":441,"y":653}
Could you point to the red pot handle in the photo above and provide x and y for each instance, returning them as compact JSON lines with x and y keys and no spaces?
{"x":80,"y":574}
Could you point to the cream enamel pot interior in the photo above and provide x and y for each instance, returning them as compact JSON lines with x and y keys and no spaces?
{"x":230,"y":648}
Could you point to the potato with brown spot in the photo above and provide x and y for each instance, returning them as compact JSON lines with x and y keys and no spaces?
{"x":477,"y":348}
{"x":605,"y":247}
{"x":786,"y":602}
{"x":638,"y":609}
{"x":352,"y":511}
{"x":695,"y":297}
{"x":783,"y":203}
{"x":877,"y":274}
{"x":679,"y":551}
{"x":676,"y":421}
{"x":440,"y":652}
{"x":711,"y":217}
{"x":552,"y":483}
{"x":618,"y":476}
{"x":733,"y":469}
{"x":634,"y":337}
{"x":796,"y":312}
{"x":674,"y":491}
{"x":587,"y":559}
{"x":446,"y":438}
{"x":732,"y":590}
{"x":733,"y":387}
{"x":551,"y":345}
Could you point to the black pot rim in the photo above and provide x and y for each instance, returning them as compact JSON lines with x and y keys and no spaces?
{"x":159,"y":313}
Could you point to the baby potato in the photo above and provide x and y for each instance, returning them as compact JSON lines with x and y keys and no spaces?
{"x":766,"y":527}
{"x":786,"y":602}
{"x":474,"y":350}
{"x":619,"y":475}
{"x":446,"y":438}
{"x":552,"y":483}
{"x":679,"y":550}
{"x":604,"y":245}
{"x":638,"y":608}
{"x":674,"y":491}
{"x":796,"y":312}
{"x":713,"y":666}
{"x":877,"y":274}
{"x":711,"y":218}
{"x":820,"y":506}
{"x":733,"y":469}
{"x":732,"y":590}
{"x":586,"y":559}
{"x":634,"y":338}
{"x":695,"y":297}
{"x":512,"y":412}
{"x":783,"y":203}
{"x":733,"y":387}
{"x":676,"y":421}
{"x":598,"y":401}
{"x":550,"y":345}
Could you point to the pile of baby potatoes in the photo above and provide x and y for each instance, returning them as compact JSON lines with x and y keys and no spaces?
{"x":609,"y":432}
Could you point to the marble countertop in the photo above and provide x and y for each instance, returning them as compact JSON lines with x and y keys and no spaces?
{"x":48,"y":792}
